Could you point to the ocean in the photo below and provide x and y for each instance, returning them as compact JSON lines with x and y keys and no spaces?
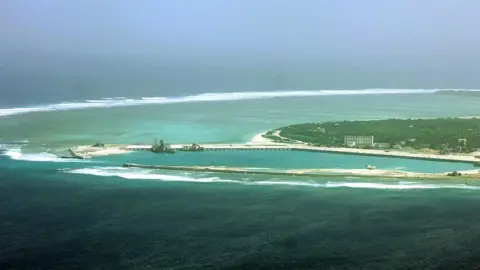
{"x":94,"y":214}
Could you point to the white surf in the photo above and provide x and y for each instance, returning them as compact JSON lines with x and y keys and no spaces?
{"x":207,"y":97}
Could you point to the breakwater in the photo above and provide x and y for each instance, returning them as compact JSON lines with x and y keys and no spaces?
{"x":309,"y":173}
{"x":219,"y":170}
{"x":86,"y":152}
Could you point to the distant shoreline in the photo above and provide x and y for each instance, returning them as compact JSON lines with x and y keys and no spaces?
{"x":362,"y":173}
{"x":257,"y":144}
{"x":454,"y":139}
{"x":367,"y":152}
{"x":269,"y":140}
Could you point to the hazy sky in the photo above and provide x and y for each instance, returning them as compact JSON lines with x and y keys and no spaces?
{"x":89,"y":48}
{"x":242,"y":28}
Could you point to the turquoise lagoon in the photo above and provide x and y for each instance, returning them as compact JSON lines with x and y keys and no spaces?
{"x":286,"y":160}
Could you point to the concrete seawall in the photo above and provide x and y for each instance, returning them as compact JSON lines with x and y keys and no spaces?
{"x":385,"y":174}
{"x":230,"y":170}
{"x":85,"y":152}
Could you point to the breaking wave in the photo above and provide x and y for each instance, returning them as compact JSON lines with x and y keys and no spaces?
{"x":145,"y":174}
{"x":16,"y":154}
{"x":370,"y":185}
{"x":128,"y":173}
{"x":206,"y":97}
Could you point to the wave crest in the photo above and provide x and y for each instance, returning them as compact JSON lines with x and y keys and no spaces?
{"x":151,"y":175}
{"x":206,"y":97}
{"x":144,"y":174}
{"x":16,"y":154}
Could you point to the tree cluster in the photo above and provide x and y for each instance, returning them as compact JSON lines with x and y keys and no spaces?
{"x":455,"y":134}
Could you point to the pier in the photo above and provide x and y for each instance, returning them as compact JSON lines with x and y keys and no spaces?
{"x":241,"y":147}
{"x":91,"y":151}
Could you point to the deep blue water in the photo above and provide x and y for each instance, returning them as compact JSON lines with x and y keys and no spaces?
{"x":49,"y":221}
{"x":53,"y":220}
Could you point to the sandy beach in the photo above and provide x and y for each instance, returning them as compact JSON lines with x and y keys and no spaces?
{"x":259,"y":139}
{"x":387,"y":173}
{"x":471,"y":174}
{"x":91,"y":151}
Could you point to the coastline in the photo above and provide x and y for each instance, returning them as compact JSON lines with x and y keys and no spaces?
{"x":258,"y":141}
{"x":361,"y":173}
{"x":375,"y":152}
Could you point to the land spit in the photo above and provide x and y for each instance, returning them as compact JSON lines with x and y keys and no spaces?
{"x":473,"y":174}
{"x":91,"y":151}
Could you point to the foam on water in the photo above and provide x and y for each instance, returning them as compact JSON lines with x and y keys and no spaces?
{"x":151,"y":175}
{"x":16,"y":154}
{"x":368,"y":185}
{"x":207,"y":97}
{"x":145,"y":174}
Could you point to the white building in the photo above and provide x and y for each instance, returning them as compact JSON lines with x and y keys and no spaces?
{"x":352,"y":141}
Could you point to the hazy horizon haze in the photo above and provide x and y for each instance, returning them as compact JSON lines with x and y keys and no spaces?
{"x":80,"y":49}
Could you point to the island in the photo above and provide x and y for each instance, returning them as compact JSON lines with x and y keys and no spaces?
{"x":435,"y":136}
{"x":441,"y":139}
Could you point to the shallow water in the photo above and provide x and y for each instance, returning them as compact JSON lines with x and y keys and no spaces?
{"x":287,"y":160}
{"x":52,"y":221}
{"x":230,"y":121}
{"x":93,"y":214}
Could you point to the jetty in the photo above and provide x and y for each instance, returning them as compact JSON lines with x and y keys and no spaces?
{"x":230,"y":170}
{"x":239,"y":147}
{"x":365,"y":173}
{"x":91,"y":151}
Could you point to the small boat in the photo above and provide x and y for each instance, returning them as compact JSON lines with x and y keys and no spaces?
{"x":370,"y":167}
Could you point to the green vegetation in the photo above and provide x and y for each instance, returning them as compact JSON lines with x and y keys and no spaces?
{"x":444,"y":134}
{"x":98,"y":145}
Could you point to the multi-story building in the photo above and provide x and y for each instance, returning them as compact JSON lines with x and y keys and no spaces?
{"x":352,"y":141}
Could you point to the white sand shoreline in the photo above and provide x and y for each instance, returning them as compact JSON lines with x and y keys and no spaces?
{"x":258,"y":141}
{"x":470,"y":158}
{"x":387,"y":174}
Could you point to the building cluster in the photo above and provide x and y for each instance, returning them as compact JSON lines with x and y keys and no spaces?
{"x":364,"y":141}
{"x":369,"y":142}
